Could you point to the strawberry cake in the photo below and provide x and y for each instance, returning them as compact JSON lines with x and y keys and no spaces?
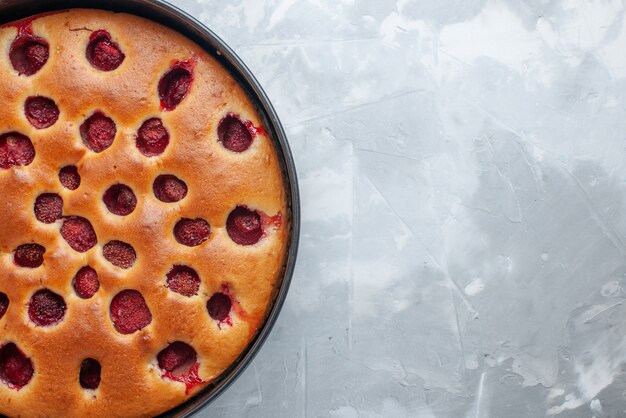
{"x":144,"y":217}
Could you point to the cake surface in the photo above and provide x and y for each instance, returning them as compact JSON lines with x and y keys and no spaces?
{"x":144,"y":217}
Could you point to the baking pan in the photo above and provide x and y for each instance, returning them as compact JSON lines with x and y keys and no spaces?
{"x":169,"y":15}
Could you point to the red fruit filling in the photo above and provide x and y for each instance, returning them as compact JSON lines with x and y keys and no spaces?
{"x":16,"y":369}
{"x":129,"y":312}
{"x":233,"y":134}
{"x":175,"y":84}
{"x":86,"y":282}
{"x":4,"y":304}
{"x":179,"y":362}
{"x":69,"y":177}
{"x":168,"y":188}
{"x":28,"y":53}
{"x":120,"y":200}
{"x":152,"y":137}
{"x":15,"y":149}
{"x":177,"y":358}
{"x":192,"y":232}
{"x":89,"y":376}
{"x":29,"y":255}
{"x":41,"y":111}
{"x":183,"y":280}
{"x":46,"y":308}
{"x":120,"y":254}
{"x":219,"y":306}
{"x":102,"y":53}
{"x":78,"y":233}
{"x":48,"y":207}
{"x":98,"y":132}
{"x":244,"y":226}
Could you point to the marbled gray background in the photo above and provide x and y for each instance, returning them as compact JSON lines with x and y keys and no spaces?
{"x":462,"y":167}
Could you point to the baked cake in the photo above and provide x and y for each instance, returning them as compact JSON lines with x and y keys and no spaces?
{"x":143,"y":221}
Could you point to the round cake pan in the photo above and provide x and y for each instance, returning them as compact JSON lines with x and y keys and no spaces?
{"x":169,"y":15}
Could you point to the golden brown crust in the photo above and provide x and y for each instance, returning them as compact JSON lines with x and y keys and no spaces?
{"x":218,"y":180}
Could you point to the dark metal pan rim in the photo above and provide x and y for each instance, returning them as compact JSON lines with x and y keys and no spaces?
{"x":171,"y":16}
